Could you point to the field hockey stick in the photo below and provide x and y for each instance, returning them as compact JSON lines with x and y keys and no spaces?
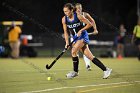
{"x":92,"y":33}
{"x":65,"y":49}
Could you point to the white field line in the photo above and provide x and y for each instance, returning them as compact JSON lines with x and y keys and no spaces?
{"x":60,"y":88}
{"x":108,"y":87}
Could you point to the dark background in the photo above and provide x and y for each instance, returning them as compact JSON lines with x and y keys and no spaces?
{"x":42,"y":19}
{"x":50,"y":12}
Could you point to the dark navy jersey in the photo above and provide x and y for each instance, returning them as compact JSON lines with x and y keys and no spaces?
{"x":74,"y":26}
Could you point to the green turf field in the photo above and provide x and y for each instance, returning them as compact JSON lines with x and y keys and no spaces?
{"x":28,"y":75}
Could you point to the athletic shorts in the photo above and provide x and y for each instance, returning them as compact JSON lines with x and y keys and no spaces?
{"x":121,"y":41}
{"x":137,"y":41}
{"x":83,"y":36}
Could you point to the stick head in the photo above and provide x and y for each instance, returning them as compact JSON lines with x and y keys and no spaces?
{"x":47,"y":66}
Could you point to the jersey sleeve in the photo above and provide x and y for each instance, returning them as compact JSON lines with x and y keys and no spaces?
{"x":18,"y":29}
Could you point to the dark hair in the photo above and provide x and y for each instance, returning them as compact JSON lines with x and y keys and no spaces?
{"x":69,"y":6}
{"x":12,"y":27}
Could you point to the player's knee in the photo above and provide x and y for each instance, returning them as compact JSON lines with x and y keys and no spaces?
{"x":74,"y":52}
{"x":90,"y":57}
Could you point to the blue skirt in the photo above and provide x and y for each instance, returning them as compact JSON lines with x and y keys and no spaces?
{"x":84,"y":36}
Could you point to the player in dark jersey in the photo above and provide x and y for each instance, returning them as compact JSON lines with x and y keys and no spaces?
{"x":121,"y":41}
{"x":136,"y":37}
{"x":73,"y":23}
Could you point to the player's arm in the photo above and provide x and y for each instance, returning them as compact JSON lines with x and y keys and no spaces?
{"x":18,"y":30}
{"x":66,"y":36}
{"x":84,"y":20}
{"x":87,"y":15}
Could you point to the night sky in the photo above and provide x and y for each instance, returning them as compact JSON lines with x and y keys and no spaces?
{"x":49,"y":13}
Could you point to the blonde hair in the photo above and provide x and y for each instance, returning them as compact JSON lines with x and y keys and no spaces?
{"x":78,"y":4}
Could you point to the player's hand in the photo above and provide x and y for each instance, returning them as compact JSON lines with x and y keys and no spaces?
{"x":79,"y":33}
{"x":67,"y":45}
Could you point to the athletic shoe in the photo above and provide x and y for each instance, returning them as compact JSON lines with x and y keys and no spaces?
{"x":88,"y":68}
{"x":119,"y":57}
{"x":107,"y":73}
{"x":71,"y":74}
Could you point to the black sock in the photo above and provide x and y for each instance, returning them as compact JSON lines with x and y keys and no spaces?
{"x":139,"y":56}
{"x":75,"y":63}
{"x":99,"y":64}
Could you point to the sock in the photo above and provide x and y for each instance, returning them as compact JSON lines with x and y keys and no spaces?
{"x":99,"y":64}
{"x":139,"y":56}
{"x":75,"y":63}
{"x":87,"y":61}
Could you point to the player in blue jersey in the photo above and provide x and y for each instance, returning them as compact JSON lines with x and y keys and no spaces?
{"x":73,"y":24}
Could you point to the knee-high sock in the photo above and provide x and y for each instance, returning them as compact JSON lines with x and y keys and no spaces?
{"x":139,"y":56}
{"x":87,"y":61}
{"x":99,"y":64}
{"x":75,"y":63}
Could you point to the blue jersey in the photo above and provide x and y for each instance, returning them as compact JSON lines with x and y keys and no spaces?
{"x":74,"y":26}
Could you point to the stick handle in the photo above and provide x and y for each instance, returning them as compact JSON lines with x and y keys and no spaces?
{"x":65,"y":49}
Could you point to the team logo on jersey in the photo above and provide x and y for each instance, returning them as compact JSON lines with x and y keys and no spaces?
{"x":74,"y":25}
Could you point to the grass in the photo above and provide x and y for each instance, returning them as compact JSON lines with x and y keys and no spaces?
{"x":29,"y":75}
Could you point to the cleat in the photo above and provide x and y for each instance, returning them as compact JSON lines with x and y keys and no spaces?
{"x":71,"y":74}
{"x":107,"y":73}
{"x":88,"y":68}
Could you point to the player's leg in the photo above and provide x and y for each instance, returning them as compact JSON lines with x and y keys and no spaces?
{"x":12,"y":45}
{"x":17,"y":47}
{"x":139,"y":52}
{"x":75,"y":49}
{"x":96,"y":61}
{"x":75,"y":58}
{"x":119,"y":50}
{"x":87,"y":62}
{"x":137,"y":43}
{"x":122,"y":50}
